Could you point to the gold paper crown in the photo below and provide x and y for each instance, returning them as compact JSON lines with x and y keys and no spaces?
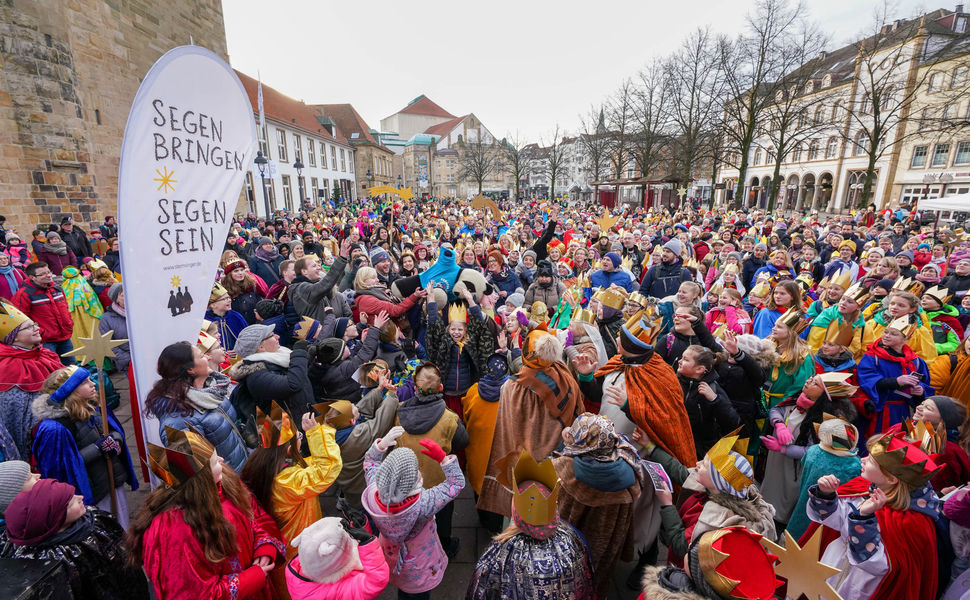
{"x":175,"y":467}
{"x":638,"y":299}
{"x":606,"y":221}
{"x":539,"y":312}
{"x":838,"y":433}
{"x":303,"y":330}
{"x":903,"y":459}
{"x":640,"y":326}
{"x":907,"y":284}
{"x":533,"y":505}
{"x":939,"y":294}
{"x":904,"y":325}
{"x":583,"y":280}
{"x":723,"y":463}
{"x":276,"y":428}
{"x":837,"y":384}
{"x":217,"y":292}
{"x":339,"y":413}
{"x":457,"y":313}
{"x":839,"y":333}
{"x":367,"y":374}
{"x":627,"y":263}
{"x":930,"y":439}
{"x":585,"y":316}
{"x":716,"y":289}
{"x":842,"y":279}
{"x":611,"y":297}
{"x":735,"y":565}
{"x":794,"y":320}
{"x":762,"y":287}
{"x":206,"y":342}
{"x":206,"y":324}
{"x":720,"y":331}
{"x":732,"y":268}
{"x":857,"y":292}
{"x":10,"y":318}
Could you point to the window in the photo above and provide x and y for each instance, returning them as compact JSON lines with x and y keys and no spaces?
{"x":323,"y":156}
{"x":311,"y":153}
{"x":326,"y":184}
{"x":865,"y":105}
{"x":281,"y":144}
{"x":813,"y":150}
{"x":770,"y":156}
{"x":351,"y":153}
{"x":333,"y":157}
{"x":802,"y":119}
{"x":343,"y":161}
{"x":809,"y":87}
{"x":924,"y":119}
{"x":796,"y":153}
{"x":826,"y":81}
{"x":757,"y":157}
{"x":287,"y":193}
{"x":263,"y":143}
{"x":949,"y":111}
{"x":297,"y":148}
{"x":861,"y":143}
{"x":963,"y":154}
{"x":250,"y":194}
{"x":936,"y":82}
{"x":836,"y":111}
{"x":819,"y":115}
{"x":313,"y":188}
{"x":959,"y":77}
{"x":940,"y":154}
{"x":831,"y":147}
{"x":272,"y":196}
{"x":919,"y":157}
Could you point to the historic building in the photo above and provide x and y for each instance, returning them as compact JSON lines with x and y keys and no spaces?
{"x":68,"y":74}
{"x":917,"y":70}
{"x":374,"y":161}
{"x":295,"y":132}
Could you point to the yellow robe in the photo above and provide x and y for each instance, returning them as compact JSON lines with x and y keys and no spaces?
{"x":480,"y":418}
{"x":816,"y":335}
{"x":921,"y":341}
{"x":953,"y":382}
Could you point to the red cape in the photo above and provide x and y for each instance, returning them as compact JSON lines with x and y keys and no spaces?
{"x":26,"y":369}
{"x":909,"y":537}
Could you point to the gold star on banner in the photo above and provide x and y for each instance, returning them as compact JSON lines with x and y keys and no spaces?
{"x":95,"y":348}
{"x":175,"y":281}
{"x":800,"y":566}
{"x":165,"y":180}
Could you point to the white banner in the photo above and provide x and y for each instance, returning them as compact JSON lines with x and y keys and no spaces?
{"x":189,"y":141}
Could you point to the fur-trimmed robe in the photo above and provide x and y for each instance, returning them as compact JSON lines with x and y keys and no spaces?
{"x":652,"y":590}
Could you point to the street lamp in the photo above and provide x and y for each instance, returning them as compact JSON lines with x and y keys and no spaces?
{"x":400,"y":181}
{"x":261,"y":165}
{"x":298,"y":165}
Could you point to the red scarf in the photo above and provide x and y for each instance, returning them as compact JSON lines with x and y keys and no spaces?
{"x":909,"y":537}
{"x":907,"y":362}
{"x":26,"y":369}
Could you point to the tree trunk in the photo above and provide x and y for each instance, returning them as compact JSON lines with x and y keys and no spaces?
{"x":479,"y":187}
{"x":739,"y":200}
{"x":710,"y":205}
{"x":867,"y":187}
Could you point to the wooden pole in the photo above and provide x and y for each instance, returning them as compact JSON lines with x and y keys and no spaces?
{"x":103,"y":405}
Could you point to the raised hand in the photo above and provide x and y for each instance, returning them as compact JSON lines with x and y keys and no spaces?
{"x":308,"y":422}
{"x":828,"y":484}
{"x":584,"y":364}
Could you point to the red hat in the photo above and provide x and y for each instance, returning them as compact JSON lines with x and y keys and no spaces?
{"x":234,"y":265}
{"x":35,"y":515}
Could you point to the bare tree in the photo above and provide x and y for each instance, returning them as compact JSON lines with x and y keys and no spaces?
{"x":899,"y":93}
{"x":650,"y":113}
{"x":619,"y":124}
{"x":555,"y":160}
{"x":752,"y":65}
{"x":695,"y":84}
{"x":478,"y":161}
{"x":595,"y":141}
{"x":517,"y":160}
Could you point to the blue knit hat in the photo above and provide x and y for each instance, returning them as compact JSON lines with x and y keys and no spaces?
{"x":79,"y":376}
{"x":378,"y":255}
{"x":615,"y":259}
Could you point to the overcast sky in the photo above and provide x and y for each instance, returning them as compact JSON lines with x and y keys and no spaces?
{"x":521,"y":66}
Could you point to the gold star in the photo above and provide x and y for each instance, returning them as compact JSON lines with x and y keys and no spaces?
{"x":96,"y":348}
{"x":606,"y":221}
{"x":800,"y":566}
{"x":165,"y":180}
{"x":175,"y":281}
{"x":682,"y":191}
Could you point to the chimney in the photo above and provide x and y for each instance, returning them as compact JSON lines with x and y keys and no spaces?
{"x":959,"y":9}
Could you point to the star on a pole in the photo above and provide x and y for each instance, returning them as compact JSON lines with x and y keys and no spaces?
{"x":165,"y":180}
{"x":801,"y":568}
{"x":606,"y":221}
{"x":95,"y":348}
{"x":681,"y":191}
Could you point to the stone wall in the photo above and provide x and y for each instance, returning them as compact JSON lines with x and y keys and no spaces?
{"x":69,"y":70}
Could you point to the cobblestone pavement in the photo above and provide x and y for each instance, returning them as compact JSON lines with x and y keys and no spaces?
{"x":473,"y":538}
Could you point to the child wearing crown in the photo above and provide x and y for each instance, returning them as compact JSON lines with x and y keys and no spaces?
{"x":885,"y":522}
{"x":901,"y":303}
{"x":724,"y":494}
{"x":944,"y":321}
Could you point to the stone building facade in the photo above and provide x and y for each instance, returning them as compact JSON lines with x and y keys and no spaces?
{"x":69,"y":70}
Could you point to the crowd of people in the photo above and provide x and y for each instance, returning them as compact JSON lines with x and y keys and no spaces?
{"x":608,"y":386}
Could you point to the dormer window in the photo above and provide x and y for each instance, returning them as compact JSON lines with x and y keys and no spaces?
{"x":809,"y":87}
{"x":826,"y":81}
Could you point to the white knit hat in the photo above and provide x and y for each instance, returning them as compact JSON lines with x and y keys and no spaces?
{"x":327,"y":552}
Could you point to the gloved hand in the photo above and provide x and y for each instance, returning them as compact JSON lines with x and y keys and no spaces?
{"x":783,"y":434}
{"x":432,"y":450}
{"x":301,"y":345}
{"x":311,"y":352}
{"x":358,"y":533}
{"x":771,"y":443}
{"x":804,"y":401}
{"x":390,"y":438}
{"x":109,"y":445}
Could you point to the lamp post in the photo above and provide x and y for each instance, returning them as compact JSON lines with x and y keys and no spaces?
{"x":298,"y":165}
{"x":261,"y":165}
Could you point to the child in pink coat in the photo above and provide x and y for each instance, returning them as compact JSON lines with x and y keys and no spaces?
{"x":336,"y":562}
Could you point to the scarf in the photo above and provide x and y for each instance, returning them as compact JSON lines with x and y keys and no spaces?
{"x":118,"y":309}
{"x":280,"y":358}
{"x":552,"y":382}
{"x":11,"y":278}
{"x":59,"y":248}
{"x":906,"y":360}
{"x":655,"y":402}
{"x":490,"y":385}
{"x":267,"y":256}
{"x":594,"y":437}
{"x":202,"y":400}
{"x":79,"y":293}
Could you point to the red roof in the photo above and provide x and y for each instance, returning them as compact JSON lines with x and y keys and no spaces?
{"x":286,"y":110}
{"x":348,"y":121}
{"x":443,"y":129}
{"x":422,"y":105}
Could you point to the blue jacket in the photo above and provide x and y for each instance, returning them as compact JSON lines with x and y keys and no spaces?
{"x":268,"y":271}
{"x":664,"y":280}
{"x":217,"y":425}
{"x":506,"y":281}
{"x":877,"y":378}
{"x":603,"y":279}
{"x":229,"y":327}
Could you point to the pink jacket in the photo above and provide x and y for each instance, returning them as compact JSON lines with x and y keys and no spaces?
{"x":356,"y":585}
{"x":731,"y":317}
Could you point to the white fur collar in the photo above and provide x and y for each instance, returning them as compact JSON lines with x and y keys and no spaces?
{"x":280,"y":358}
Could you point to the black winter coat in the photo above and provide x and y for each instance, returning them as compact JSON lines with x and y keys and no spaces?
{"x":742,"y":381}
{"x":335,"y":382}
{"x":261,"y":382}
{"x":709,"y":420}
{"x":77,"y":241}
{"x":748,"y":268}
{"x":671,"y":347}
{"x":664,"y":280}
